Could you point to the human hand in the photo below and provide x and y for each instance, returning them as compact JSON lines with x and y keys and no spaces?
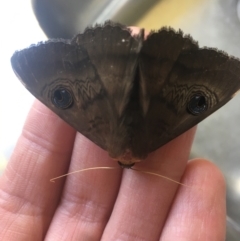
{"x":105,"y":204}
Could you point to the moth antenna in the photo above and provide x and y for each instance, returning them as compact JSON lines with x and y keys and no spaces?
{"x":159,"y":175}
{"x":83,"y":170}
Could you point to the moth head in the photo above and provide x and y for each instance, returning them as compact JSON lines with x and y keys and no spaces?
{"x":128,"y":166}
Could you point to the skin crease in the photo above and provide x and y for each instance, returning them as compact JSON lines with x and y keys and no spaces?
{"x":105,"y":204}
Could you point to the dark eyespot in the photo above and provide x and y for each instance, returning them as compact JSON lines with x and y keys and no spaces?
{"x":62,"y":98}
{"x":197,"y":105}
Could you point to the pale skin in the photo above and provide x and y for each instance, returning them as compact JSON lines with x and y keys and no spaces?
{"x":105,"y":204}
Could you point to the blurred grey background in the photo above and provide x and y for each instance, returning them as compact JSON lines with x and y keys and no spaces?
{"x":213,"y":23}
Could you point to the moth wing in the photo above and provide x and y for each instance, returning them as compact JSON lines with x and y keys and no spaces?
{"x":55,"y":65}
{"x":114,"y":51}
{"x":173,"y":69}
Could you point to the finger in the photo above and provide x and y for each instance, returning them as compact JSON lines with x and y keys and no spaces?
{"x":143,"y":201}
{"x":88,"y":197}
{"x":198,"y":213}
{"x":98,"y":188}
{"x":28,"y":198}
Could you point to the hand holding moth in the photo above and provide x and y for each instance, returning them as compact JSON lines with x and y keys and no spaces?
{"x":105,"y":204}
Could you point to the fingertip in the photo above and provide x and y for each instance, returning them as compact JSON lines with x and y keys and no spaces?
{"x":199,"y":207}
{"x":203,"y":170}
{"x":135,"y":30}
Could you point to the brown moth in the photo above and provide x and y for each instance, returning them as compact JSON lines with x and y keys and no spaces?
{"x":127,"y":94}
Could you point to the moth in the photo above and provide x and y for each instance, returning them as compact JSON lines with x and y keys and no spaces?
{"x":127,"y":94}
